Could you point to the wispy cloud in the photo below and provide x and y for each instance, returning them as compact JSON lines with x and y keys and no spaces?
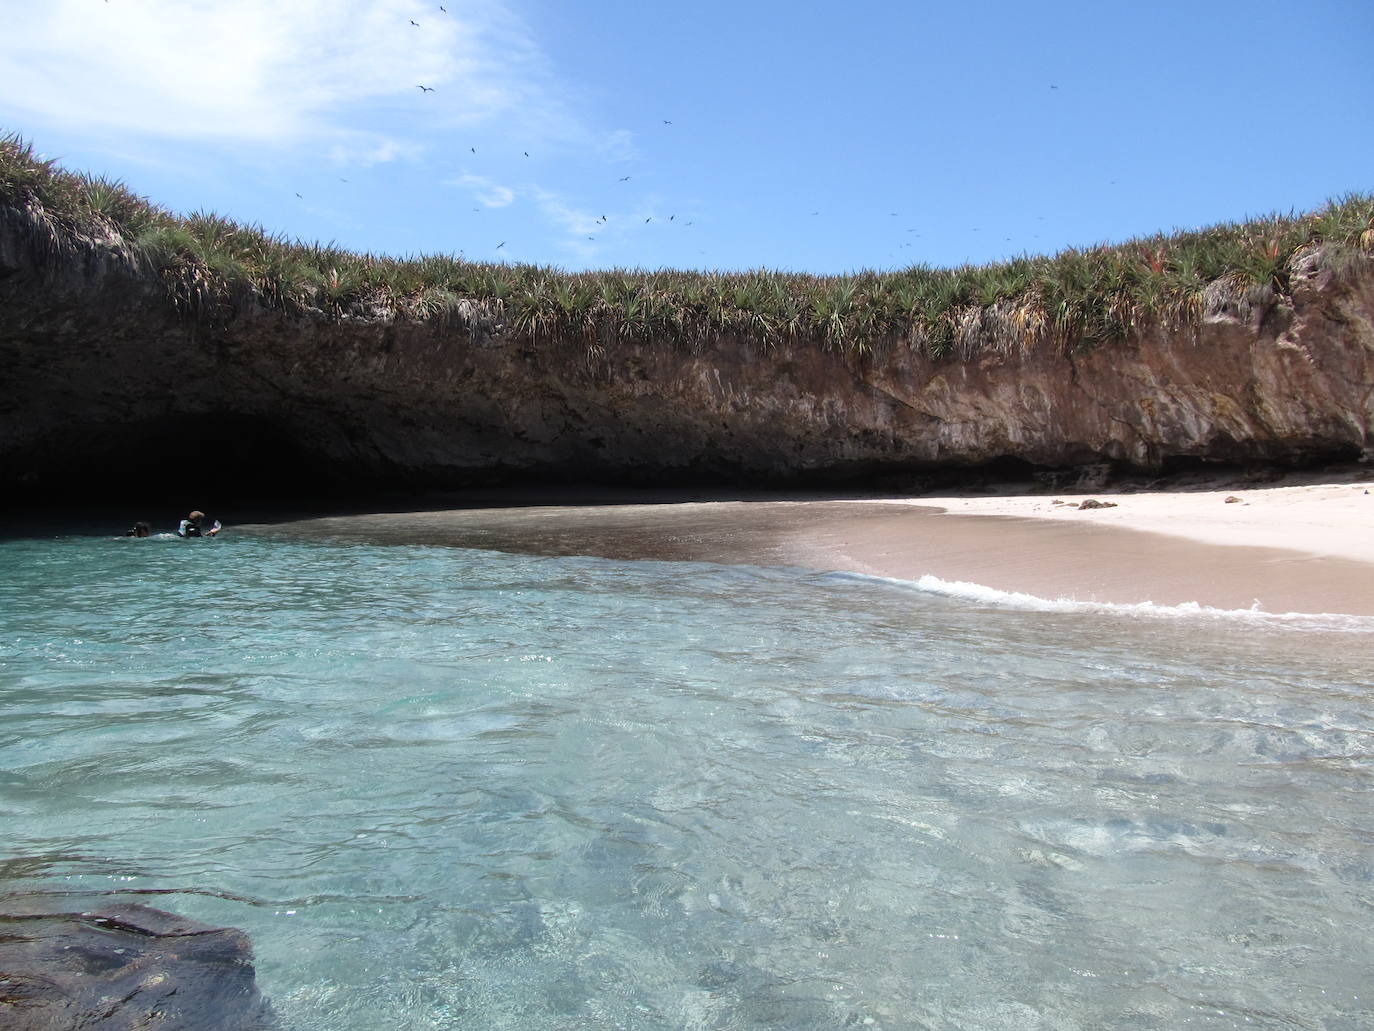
{"x":263,"y":72}
{"x":369,"y":153}
{"x":491,"y":194}
{"x":578,"y":223}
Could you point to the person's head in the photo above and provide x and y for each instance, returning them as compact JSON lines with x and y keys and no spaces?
{"x":196,"y":517}
{"x":142,"y":529}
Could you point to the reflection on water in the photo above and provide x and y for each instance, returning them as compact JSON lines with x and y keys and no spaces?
{"x":447,"y":788}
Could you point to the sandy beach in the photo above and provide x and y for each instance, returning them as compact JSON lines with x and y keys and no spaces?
{"x":1302,"y":544}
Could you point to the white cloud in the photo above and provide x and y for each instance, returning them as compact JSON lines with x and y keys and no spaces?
{"x":493,"y":195}
{"x":579,"y":224}
{"x":263,"y":72}
{"x":367,"y":153}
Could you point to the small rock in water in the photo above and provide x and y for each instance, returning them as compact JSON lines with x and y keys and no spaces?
{"x":1094,"y":503}
{"x":1232,"y":500}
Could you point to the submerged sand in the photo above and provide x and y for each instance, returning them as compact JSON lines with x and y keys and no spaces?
{"x":1304,"y":544}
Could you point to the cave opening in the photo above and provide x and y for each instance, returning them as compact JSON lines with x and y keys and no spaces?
{"x":206,"y":461}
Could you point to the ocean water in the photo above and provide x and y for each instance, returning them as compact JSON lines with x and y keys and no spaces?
{"x":453,"y":788}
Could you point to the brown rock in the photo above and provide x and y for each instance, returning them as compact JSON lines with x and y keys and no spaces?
{"x":1094,"y":503}
{"x":107,"y":385}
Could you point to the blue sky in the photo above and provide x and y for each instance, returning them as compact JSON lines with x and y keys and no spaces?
{"x":817,"y":138}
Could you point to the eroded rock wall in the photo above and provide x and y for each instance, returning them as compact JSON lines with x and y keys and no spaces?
{"x":106,"y":383}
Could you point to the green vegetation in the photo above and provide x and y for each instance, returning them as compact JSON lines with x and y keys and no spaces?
{"x":1077,"y":298}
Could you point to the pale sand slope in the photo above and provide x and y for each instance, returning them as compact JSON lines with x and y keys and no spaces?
{"x":1306,"y":545}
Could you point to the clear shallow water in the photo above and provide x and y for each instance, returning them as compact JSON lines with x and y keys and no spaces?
{"x":448,"y":788}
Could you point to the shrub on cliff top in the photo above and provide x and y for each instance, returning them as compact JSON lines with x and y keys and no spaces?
{"x":1077,"y":298}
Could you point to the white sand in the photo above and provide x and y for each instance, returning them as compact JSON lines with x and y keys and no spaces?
{"x":1316,"y":518}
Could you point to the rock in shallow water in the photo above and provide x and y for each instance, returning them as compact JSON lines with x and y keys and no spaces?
{"x":125,"y":967}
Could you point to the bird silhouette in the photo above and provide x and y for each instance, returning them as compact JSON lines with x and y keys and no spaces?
{"x":424,"y":89}
{"x":647,"y":220}
{"x":527,"y":153}
{"x":815,"y":212}
{"x":343,"y":180}
{"x":473,"y":149}
{"x":671,"y":217}
{"x":625,"y":179}
{"x":415,"y":23}
{"x":443,"y":8}
{"x":298,"y":195}
{"x":666,"y":122}
{"x":500,"y":245}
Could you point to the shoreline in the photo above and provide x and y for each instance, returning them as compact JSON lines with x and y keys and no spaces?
{"x":1305,"y":545}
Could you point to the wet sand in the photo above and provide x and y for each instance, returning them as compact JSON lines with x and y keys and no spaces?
{"x":1167,"y":547}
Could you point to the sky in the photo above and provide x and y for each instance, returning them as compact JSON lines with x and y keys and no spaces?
{"x":814,"y":137}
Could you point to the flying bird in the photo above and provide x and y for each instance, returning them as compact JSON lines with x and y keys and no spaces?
{"x":666,"y":122}
{"x":647,"y":220}
{"x":500,"y":245}
{"x":625,"y":179}
{"x":527,"y":153}
{"x":443,"y":8}
{"x":473,"y":149}
{"x":424,"y":89}
{"x":415,"y":23}
{"x":671,"y":217}
{"x":298,"y":195}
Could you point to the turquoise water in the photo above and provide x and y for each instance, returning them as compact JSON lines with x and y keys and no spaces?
{"x":450,"y":788}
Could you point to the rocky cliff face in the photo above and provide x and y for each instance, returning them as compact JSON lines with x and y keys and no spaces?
{"x":107,"y":387}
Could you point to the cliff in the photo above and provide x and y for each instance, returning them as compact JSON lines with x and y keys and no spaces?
{"x":111,"y":386}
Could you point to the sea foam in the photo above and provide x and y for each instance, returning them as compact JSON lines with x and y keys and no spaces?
{"x":962,"y":590}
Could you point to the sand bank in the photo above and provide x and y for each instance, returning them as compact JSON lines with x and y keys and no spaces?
{"x":1304,"y":545}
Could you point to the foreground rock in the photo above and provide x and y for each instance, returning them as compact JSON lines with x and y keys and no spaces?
{"x":125,"y":967}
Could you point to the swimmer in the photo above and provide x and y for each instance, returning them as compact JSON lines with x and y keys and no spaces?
{"x":194,"y":525}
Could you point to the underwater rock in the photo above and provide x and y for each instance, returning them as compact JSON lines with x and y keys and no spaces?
{"x":125,"y":967}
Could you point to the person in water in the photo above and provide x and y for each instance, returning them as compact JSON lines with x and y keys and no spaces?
{"x":139,"y":529}
{"x":196,"y":525}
